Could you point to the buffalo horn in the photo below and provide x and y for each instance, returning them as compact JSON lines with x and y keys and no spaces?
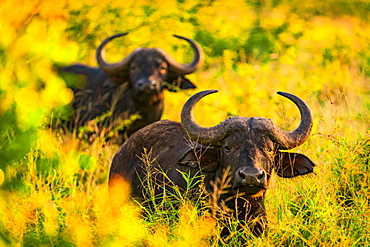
{"x":289,"y":140}
{"x":193,"y":129}
{"x":285,"y":140}
{"x":184,"y":69}
{"x":180,"y":69}
{"x":113,"y":68}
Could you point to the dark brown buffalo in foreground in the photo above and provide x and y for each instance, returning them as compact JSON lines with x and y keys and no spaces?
{"x":244,"y":150}
{"x":135,"y":85}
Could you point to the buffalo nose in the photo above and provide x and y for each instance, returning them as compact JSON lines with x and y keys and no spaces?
{"x":250,"y":176}
{"x":146,"y":84}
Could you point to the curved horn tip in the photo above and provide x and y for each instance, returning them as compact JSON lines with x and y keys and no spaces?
{"x":181,"y":37}
{"x":290,"y":96}
{"x":284,"y":94}
{"x":118,"y":35}
{"x":205,"y":92}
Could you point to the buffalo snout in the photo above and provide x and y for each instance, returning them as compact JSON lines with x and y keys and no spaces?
{"x":147,"y":85}
{"x":250,"y":177}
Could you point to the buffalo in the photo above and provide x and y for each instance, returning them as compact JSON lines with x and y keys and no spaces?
{"x":131,"y":89}
{"x":242,"y":152}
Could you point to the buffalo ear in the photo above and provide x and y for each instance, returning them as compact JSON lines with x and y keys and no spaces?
{"x":289,"y":165}
{"x":186,"y":84}
{"x":178,"y":83}
{"x":206,"y":159}
{"x":72,"y":75}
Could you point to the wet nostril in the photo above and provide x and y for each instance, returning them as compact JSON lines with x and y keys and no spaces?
{"x":153,"y":84}
{"x":261,"y":177}
{"x":242,"y":175}
{"x":140,"y":84}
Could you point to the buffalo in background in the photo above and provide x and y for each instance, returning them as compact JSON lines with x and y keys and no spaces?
{"x":134,"y":86}
{"x":236,"y":159}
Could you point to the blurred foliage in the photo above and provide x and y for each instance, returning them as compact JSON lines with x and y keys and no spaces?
{"x":54,"y":190}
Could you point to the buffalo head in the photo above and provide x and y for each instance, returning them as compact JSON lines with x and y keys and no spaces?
{"x":251,"y":146}
{"x":244,"y":150}
{"x":146,"y":69}
{"x":133,"y":86}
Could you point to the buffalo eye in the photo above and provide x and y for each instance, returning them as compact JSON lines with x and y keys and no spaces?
{"x":163,"y":70}
{"x":133,"y":67}
{"x":228,"y":149}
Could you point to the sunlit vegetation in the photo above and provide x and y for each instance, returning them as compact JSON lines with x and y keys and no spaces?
{"x":54,"y":186}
